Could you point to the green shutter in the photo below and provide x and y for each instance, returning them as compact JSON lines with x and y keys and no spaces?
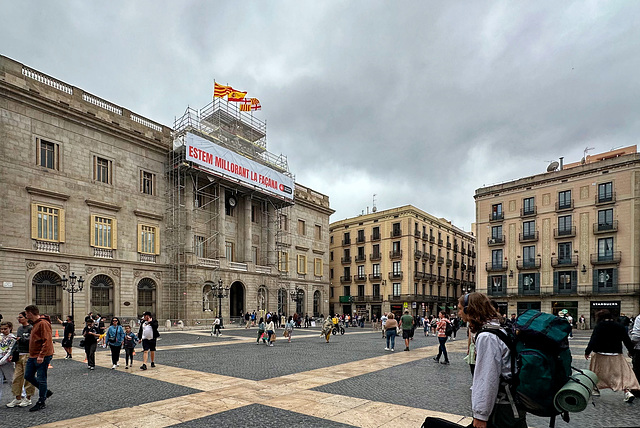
{"x":520,"y":290}
{"x":537,"y":281}
{"x":615,"y":280}
{"x":489,"y":291}
{"x":574,"y":280}
{"x":555,"y":282}
{"x":594,"y":274}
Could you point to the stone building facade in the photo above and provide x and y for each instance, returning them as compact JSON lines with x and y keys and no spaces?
{"x":396,"y":259}
{"x":564,"y":239}
{"x":88,"y":188}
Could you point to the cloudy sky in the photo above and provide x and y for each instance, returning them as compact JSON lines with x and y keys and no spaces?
{"x":417,"y":102}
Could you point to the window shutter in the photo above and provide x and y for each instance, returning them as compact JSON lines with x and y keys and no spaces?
{"x":34,"y":221}
{"x":489,"y":291}
{"x":92,"y":231}
{"x":114,"y":234}
{"x":61,"y":234}
{"x":141,"y":181}
{"x":594,"y":274}
{"x":537,"y":281}
{"x":504,"y":284}
{"x":139,"y":238}
{"x":157,"y":238}
{"x":574,"y":280}
{"x":555,"y":282}
{"x":520,"y":284}
{"x":95,"y":168}
{"x":615,"y":279}
{"x":280,"y":261}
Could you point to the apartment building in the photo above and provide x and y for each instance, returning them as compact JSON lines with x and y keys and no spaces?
{"x":94,"y":191}
{"x":397,"y":259}
{"x":563,"y":239}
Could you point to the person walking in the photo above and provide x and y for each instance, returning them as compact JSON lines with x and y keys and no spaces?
{"x":149,"y":334}
{"x":261,"y":332}
{"x":406,"y":322}
{"x":327,"y":328}
{"x":441,"y":328}
{"x":582,"y":323}
{"x":391,"y":331}
{"x":130,"y":342}
{"x":383,"y":324}
{"x":247,"y":320}
{"x":67,"y":335}
{"x":288,"y":328}
{"x":489,"y":398}
{"x":634,"y":335}
{"x":607,"y":360}
{"x":7,"y":342}
{"x":22,"y":342}
{"x":271,"y":332}
{"x":91,"y":335}
{"x":115,"y":339}
{"x":40,"y":354}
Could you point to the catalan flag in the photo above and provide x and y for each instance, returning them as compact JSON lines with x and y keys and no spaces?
{"x":255,"y":104}
{"x":220,"y":91}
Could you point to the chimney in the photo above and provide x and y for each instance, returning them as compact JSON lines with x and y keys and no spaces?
{"x":561,"y":162}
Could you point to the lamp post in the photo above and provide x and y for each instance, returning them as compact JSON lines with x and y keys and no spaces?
{"x":220,"y":291}
{"x":297,"y":296}
{"x":72,"y":285}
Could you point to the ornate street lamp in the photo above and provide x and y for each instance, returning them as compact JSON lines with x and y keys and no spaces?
{"x":297,"y":296}
{"x":72,"y":285}
{"x":220,"y":292}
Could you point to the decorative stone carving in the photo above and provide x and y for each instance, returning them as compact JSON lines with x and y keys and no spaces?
{"x":63,"y":268}
{"x":546,"y":199}
{"x":115,"y":272}
{"x":32,"y":265}
{"x":90,"y":270}
{"x":137,"y":273}
{"x":158,"y":275}
{"x":584,"y":192}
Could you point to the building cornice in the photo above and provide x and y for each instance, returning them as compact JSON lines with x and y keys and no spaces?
{"x":148,"y":215}
{"x":47,"y":193}
{"x":103,"y":205}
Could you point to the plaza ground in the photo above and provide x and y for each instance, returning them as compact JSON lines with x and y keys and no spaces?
{"x":230,"y":381}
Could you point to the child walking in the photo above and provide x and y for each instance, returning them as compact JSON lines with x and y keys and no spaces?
{"x":130,"y":342}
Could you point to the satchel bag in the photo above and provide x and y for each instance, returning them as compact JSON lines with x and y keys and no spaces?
{"x":286,"y":333}
{"x":15,"y":355}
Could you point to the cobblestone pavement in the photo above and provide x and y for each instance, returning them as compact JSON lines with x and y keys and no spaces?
{"x":230,"y":381}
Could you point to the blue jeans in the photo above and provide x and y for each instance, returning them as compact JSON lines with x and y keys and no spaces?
{"x":36,"y":375}
{"x":391,"y":336}
{"x":442,"y":349}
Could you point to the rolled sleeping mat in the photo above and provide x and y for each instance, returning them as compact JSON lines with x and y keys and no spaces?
{"x":574,"y":395}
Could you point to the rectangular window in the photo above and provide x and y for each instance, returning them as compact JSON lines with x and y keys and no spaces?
{"x":360,"y":289}
{"x":104,"y":232}
{"x":396,"y":289}
{"x":376,"y":290}
{"x":564,"y":225}
{"x":564,"y":199}
{"x":360,"y":271}
{"x":397,"y":268}
{"x":564,"y":252}
{"x":147,"y":182}
{"x":230,"y":204}
{"x":528,"y":229}
{"x":331,"y":292}
{"x":528,"y":282}
{"x":302,"y":264}
{"x":229,"y":251}
{"x":376,"y":269}
{"x":496,"y":259}
{"x":346,"y":240}
{"x":604,"y":279}
{"x":396,"y":229}
{"x":529,"y":256}
{"x":605,"y":249}
{"x":496,"y":233}
{"x":605,"y":219}
{"x":283,"y":261}
{"x":254,"y":255}
{"x":302,"y":229}
{"x":347,"y":290}
{"x":567,"y":280}
{"x":198,"y":246}
{"x":317,"y":266}
{"x":148,"y":239}
{"x":331,"y":256}
{"x":528,"y":206}
{"x":496,"y":212}
{"x":331,"y":274}
{"x":254,"y":214}
{"x":496,"y":283}
{"x":375,"y":233}
{"x":361,"y":235}
{"x":376,"y":251}
{"x":47,"y":223}
{"x":47,"y":154}
{"x":347,"y":273}
{"x":318,"y":232}
{"x":395,"y":246}
{"x":283,"y":222}
{"x":605,"y":192}
{"x":102,"y":170}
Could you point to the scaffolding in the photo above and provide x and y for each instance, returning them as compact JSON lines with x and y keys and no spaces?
{"x":193,"y":213}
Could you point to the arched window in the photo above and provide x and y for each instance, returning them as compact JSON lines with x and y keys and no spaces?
{"x":208,"y":301}
{"x":146,"y":296}
{"x":300,"y":302}
{"x":102,"y":295}
{"x":47,"y":292}
{"x":262,"y":298}
{"x":317,"y":298}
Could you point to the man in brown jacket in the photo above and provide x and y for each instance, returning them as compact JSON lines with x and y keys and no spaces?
{"x":40,"y":354}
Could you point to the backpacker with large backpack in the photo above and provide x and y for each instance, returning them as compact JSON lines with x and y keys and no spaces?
{"x":540,"y":363}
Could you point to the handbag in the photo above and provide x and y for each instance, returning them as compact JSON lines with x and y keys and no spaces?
{"x":273,"y":337}
{"x":15,"y":355}
{"x":398,"y":330}
{"x":286,"y":333}
{"x":81,"y":344}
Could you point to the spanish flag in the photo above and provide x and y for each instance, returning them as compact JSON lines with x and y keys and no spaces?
{"x":235,"y":95}
{"x":220,"y":91}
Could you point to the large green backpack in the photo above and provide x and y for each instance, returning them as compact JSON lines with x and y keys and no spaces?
{"x":540,"y":361}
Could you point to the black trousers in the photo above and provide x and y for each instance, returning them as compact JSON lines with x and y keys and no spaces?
{"x":128,"y":356}
{"x":115,"y":353}
{"x":90,"y":350}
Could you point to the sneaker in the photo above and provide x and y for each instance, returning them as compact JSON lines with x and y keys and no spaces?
{"x":113,"y":367}
{"x":629,"y":397}
{"x":14,"y":403}
{"x":38,"y":406}
{"x":153,"y":364}
{"x":436,"y":359}
{"x":117,"y":365}
{"x":49,"y":393}
{"x":143,"y":367}
{"x":386,"y":349}
{"x":393,"y":350}
{"x":92,"y":368}
{"x":25,"y":402}
{"x":271,"y":344}
{"x":126,"y":367}
{"x":445,"y":363}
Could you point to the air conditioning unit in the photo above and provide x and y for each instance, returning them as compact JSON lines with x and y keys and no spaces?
{"x":492,"y":241}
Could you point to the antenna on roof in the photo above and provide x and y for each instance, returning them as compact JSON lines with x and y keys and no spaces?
{"x":374,"y":208}
{"x":553,"y":166}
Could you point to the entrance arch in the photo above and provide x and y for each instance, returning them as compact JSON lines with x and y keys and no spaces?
{"x":282,"y":301}
{"x":300,"y":303}
{"x":316,"y":303}
{"x":236,"y":299}
{"x":47,"y":292}
{"x":102,"y":295}
{"x":146,"y":297}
